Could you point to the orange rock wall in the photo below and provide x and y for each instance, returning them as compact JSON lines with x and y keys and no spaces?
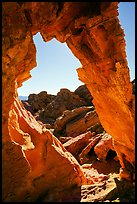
{"x":40,"y":167}
{"x":101,"y":49}
{"x":93,"y":33}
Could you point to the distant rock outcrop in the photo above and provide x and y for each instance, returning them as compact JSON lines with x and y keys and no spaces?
{"x":77,"y":126}
{"x":58,"y":108}
{"x":83,"y":124}
{"x":83,"y":92}
{"x":77,"y":121}
{"x":70,"y":116}
{"x":46,"y":107}
{"x":65,"y":100}
{"x":67,"y":113}
{"x":40,"y":101}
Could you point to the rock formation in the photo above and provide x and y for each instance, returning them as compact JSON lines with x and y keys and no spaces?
{"x":84,"y":155}
{"x":85,"y":145}
{"x":94,"y":35}
{"x":46,"y":107}
{"x":39,"y":101}
{"x":41,"y":173}
{"x":104,"y":146}
{"x":84,"y":93}
{"x":77,"y":144}
{"x":83,"y":124}
{"x":72,"y":123}
{"x":65,"y":100}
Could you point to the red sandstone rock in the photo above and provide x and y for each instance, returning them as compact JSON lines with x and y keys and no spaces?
{"x":39,"y":148}
{"x":103,"y":146}
{"x":65,"y":100}
{"x":107,"y":186}
{"x":93,"y":141}
{"x":64,"y":139}
{"x":40,"y":101}
{"x":70,"y":116}
{"x":107,"y":80}
{"x":37,"y":103}
{"x":28,"y":107}
{"x":82,"y":125}
{"x":40,"y":105}
{"x":84,"y":93}
{"x":77,"y":144}
{"x":93,"y":33}
{"x":46,"y":107}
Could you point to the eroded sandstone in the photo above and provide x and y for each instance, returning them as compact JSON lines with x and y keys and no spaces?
{"x":94,"y":35}
{"x":40,"y":173}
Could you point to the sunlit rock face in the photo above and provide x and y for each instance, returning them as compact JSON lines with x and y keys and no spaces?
{"x":93,"y":33}
{"x":43,"y":160}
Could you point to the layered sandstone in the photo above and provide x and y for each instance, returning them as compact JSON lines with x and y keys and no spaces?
{"x":84,"y":93}
{"x":65,"y":100}
{"x":46,"y":107}
{"x":40,"y":101}
{"x":74,"y":122}
{"x":94,"y":35}
{"x":104,"y":146}
{"x":41,"y":173}
{"x":77,"y":144}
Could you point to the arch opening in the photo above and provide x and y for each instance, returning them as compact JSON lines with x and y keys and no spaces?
{"x":52,"y":89}
{"x":56,"y":68}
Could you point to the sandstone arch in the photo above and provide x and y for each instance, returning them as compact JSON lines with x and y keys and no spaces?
{"x":93,"y":33}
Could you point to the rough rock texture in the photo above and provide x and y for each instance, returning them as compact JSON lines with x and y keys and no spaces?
{"x":40,"y":105}
{"x":64,"y":139}
{"x":71,"y":116}
{"x":46,"y":107}
{"x":89,"y":146}
{"x":77,"y":121}
{"x":82,"y":125}
{"x":39,"y":101}
{"x":84,"y":93}
{"x":94,"y":35}
{"x":103,"y":146}
{"x":65,"y":100}
{"x":41,"y":174}
{"x":27,"y":106}
{"x":84,"y":153}
{"x":107,"y":186}
{"x":77,"y":144}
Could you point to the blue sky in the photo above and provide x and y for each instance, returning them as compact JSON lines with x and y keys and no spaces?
{"x":127,"y":21}
{"x":56,"y":65}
